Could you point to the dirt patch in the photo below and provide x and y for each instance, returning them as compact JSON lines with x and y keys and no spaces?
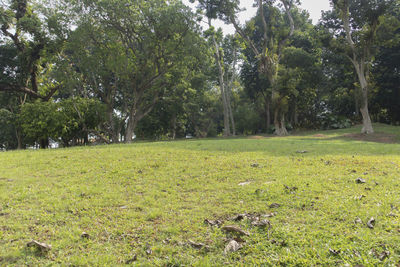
{"x":319,"y":135}
{"x":375,"y":137}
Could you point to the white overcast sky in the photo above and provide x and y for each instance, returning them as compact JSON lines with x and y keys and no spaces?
{"x":314,"y":7}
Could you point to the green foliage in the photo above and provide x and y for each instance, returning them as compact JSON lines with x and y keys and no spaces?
{"x":7,"y":130}
{"x":80,"y":116}
{"x":248,"y":120}
{"x":330,"y":121}
{"x":66,"y":120}
{"x":40,"y":121}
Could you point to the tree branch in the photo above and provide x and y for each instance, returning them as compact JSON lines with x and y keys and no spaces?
{"x":288,"y":8}
{"x":244,"y":35}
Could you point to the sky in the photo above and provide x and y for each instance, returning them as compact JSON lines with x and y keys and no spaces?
{"x":314,"y":7}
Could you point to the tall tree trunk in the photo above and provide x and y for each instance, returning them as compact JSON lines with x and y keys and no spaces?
{"x":221,"y":77}
{"x":227,"y":131}
{"x":130,"y":128}
{"x":228,"y":93}
{"x":367,"y":124}
{"x":360,"y":63}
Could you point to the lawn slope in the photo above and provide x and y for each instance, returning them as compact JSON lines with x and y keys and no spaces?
{"x":146,"y":203}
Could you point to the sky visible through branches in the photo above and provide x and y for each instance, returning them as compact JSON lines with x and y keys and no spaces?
{"x":314,"y":7}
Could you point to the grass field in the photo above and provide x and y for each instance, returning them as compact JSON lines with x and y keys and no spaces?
{"x":145,"y":203}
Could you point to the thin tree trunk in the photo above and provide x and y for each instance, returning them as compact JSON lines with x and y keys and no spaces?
{"x":227,"y":131}
{"x":174,"y":127}
{"x":19,"y":139}
{"x":228,"y":93}
{"x":130,"y":128}
{"x":221,"y":84}
{"x":114,"y":131}
{"x":268,"y":112}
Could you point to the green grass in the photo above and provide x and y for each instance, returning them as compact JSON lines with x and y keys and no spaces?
{"x":155,"y":196}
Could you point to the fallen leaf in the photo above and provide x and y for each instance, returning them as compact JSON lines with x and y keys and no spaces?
{"x":358,"y":221}
{"x":360,"y":180}
{"x":290,"y":189}
{"x":274,"y":205}
{"x":234,"y":229}
{"x":371,"y":223}
{"x":360,"y":197}
{"x":238,"y":217}
{"x":197,"y":245}
{"x":272,"y":214}
{"x":334,"y":251}
{"x":232,"y":246}
{"x":239,"y":239}
{"x":385,"y":254}
{"x":213,"y":222}
{"x":262,"y":223}
{"x":43,"y":247}
{"x":85,"y":235}
{"x":280,"y":243}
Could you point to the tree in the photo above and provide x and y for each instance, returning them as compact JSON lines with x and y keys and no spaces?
{"x":32,"y":34}
{"x":386,"y":76}
{"x":224,"y":82}
{"x":155,"y":37}
{"x":360,"y":20}
{"x":94,"y":61}
{"x":268,"y":47}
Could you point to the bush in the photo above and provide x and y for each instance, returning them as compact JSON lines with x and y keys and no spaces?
{"x":8,"y":138}
{"x":328,"y":121}
{"x":66,"y":120}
